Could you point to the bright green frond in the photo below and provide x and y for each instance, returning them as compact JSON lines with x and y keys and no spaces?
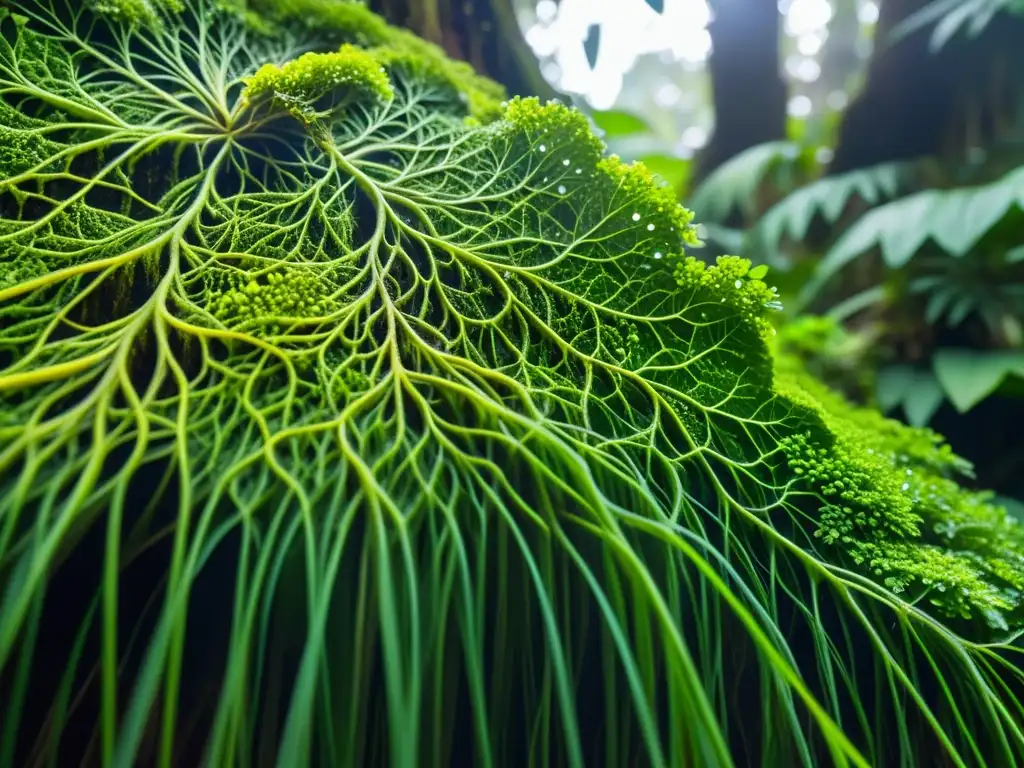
{"x":339,"y":429}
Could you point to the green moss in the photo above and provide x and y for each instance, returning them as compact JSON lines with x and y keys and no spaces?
{"x":24,"y":149}
{"x":281,"y":294}
{"x":636,"y":180}
{"x":893,"y":507}
{"x":301,"y":84}
{"x":728,"y":282}
{"x":396,"y":47}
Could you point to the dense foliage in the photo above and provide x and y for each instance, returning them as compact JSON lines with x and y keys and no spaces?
{"x":352,"y":416}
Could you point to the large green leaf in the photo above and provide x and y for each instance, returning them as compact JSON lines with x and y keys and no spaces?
{"x":918,"y":392}
{"x":954,"y":220}
{"x":615,"y":123}
{"x":349,"y":416}
{"x":952,"y":16}
{"x":892,"y":384}
{"x":829,"y":198}
{"x":969,"y":376}
{"x":732,"y":185}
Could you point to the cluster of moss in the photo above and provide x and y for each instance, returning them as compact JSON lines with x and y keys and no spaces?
{"x":559,"y":138}
{"x":22,"y":147}
{"x":635,"y":179}
{"x":891,"y":503}
{"x":734,"y":283}
{"x":300,"y":84}
{"x":283,"y":293}
{"x":866,"y":502}
{"x":393,"y":47}
{"x":621,"y":340}
{"x":555,"y":125}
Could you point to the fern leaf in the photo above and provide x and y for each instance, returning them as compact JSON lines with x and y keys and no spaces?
{"x":733,"y":185}
{"x":955,"y":220}
{"x":829,"y":198}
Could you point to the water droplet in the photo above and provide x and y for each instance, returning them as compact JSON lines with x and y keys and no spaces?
{"x":561,"y":189}
{"x":566,"y":161}
{"x":905,"y":486}
{"x":636,"y":217}
{"x":739,"y":283}
{"x":650,"y":227}
{"x":657,"y":254}
{"x":543,"y":147}
{"x":579,"y":170}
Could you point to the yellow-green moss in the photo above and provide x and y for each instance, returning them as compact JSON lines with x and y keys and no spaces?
{"x":303,"y":82}
{"x":729,"y":281}
{"x":482,"y":99}
{"x":893,"y":507}
{"x":396,"y":47}
{"x":284,"y":293}
{"x":636,"y":179}
{"x":561,"y":136}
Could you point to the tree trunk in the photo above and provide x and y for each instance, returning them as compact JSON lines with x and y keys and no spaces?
{"x":483,"y":32}
{"x":916,"y":102}
{"x":749,"y":93}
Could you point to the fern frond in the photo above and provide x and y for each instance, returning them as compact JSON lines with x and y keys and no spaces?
{"x":733,"y":185}
{"x":954,"y":220}
{"x":950,"y":17}
{"x":828,"y":198}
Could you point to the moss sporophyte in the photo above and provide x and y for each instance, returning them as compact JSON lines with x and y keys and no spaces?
{"x":352,"y":413}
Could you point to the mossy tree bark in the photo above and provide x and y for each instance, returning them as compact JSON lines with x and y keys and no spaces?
{"x":483,"y":32}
